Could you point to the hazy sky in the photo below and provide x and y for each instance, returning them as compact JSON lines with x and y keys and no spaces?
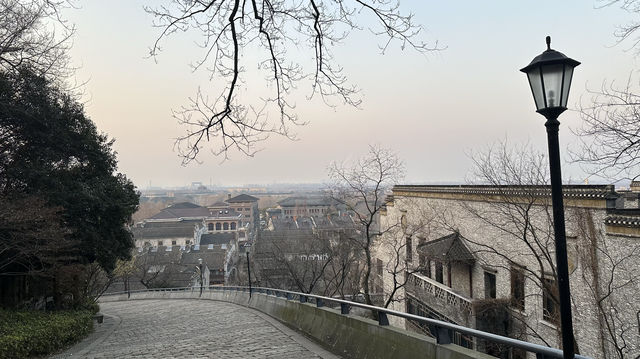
{"x":433,"y":110}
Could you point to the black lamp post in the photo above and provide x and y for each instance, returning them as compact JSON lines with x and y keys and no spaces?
{"x":550,"y":76}
{"x":201,"y":275}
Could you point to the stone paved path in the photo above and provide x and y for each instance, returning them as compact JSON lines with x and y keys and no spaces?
{"x":191,"y":329}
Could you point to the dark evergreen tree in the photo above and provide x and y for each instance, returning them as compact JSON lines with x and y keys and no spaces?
{"x":50,"y":149}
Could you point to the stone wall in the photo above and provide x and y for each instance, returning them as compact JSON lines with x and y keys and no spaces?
{"x":597,"y":257}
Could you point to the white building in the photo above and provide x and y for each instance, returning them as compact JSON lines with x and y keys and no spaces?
{"x":470,"y":248}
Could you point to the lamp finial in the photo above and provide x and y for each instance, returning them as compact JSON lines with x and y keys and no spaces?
{"x":548,"y":42}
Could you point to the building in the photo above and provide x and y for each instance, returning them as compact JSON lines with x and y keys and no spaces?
{"x":311,"y":206}
{"x":482,"y":257}
{"x":184,"y":223}
{"x":247,"y":206}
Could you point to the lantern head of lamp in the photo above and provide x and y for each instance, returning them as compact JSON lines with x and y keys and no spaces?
{"x":550,"y":76}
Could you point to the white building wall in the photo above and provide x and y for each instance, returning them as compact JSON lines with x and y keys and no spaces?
{"x":447,"y":215}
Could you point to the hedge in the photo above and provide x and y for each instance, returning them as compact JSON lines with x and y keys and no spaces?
{"x":30,"y":333}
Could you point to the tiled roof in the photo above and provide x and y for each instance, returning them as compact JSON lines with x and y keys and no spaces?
{"x":181,"y":210}
{"x":159,"y":230}
{"x":307,"y":201}
{"x":219,"y":205}
{"x":183,"y":205}
{"x":569,"y":191}
{"x":623,"y":218}
{"x":217,"y":238}
{"x":213,"y":258}
{"x":243,"y":198}
{"x":449,"y":248}
{"x":226,"y":213}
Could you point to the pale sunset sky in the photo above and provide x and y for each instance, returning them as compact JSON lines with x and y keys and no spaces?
{"x":432,"y":109}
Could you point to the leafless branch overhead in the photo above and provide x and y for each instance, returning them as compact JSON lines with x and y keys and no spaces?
{"x":231,"y":31}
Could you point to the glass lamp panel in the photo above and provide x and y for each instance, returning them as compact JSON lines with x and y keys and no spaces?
{"x":552,"y":78}
{"x":535,"y":81}
{"x":568,"y":74}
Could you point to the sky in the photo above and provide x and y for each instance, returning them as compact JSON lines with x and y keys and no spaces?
{"x":434,"y":110}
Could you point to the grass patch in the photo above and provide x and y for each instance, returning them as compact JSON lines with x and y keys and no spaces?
{"x":30,"y":333}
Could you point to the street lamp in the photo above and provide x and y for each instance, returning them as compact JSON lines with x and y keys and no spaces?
{"x":201,"y":275}
{"x":550,"y":75}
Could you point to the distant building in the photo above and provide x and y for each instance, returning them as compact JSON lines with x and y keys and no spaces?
{"x":247,"y":206}
{"x":312,"y":206}
{"x":175,"y":266}
{"x":184,"y":223}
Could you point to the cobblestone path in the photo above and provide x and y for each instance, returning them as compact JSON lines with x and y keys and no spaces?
{"x":191,"y":329}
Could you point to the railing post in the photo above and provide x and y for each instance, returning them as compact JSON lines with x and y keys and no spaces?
{"x":344,"y":308}
{"x":382,"y":318}
{"x":442,"y":335}
{"x":319,"y":303}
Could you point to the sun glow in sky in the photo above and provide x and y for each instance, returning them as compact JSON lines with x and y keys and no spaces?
{"x":433,"y":109}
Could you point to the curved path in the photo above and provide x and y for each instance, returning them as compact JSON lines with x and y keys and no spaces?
{"x":191,"y":329}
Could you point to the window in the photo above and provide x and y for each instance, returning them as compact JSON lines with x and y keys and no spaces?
{"x":233,"y":225}
{"x":210,"y":226}
{"x":225,"y":226}
{"x":449,"y":274}
{"x":422,"y":259}
{"x":409,"y":250}
{"x":173,"y":243}
{"x":489,"y":285}
{"x":517,"y":288}
{"x":379,"y":266}
{"x":550,"y":310}
{"x":439,"y":270}
{"x":188,"y":242}
{"x":218,"y":226}
{"x":247,"y":209}
{"x":428,"y":268}
{"x":159,"y":243}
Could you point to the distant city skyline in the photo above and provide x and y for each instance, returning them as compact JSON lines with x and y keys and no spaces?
{"x":432,"y":110}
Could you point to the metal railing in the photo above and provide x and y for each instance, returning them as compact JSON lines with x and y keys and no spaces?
{"x":441,"y":328}
{"x":441,"y":292}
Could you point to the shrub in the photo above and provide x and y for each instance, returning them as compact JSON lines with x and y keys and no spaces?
{"x":30,"y":333}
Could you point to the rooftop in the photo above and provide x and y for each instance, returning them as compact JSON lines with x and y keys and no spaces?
{"x":307,"y":201}
{"x":242,"y":198}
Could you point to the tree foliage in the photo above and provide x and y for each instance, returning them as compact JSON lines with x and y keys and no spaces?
{"x":235,"y":32}
{"x":49,"y":149}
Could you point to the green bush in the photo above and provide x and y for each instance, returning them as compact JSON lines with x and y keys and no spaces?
{"x":30,"y":333}
{"x":90,"y":305}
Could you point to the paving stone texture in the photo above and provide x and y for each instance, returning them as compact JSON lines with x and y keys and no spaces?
{"x":191,"y":329}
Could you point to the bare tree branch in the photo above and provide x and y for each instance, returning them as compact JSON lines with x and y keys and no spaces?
{"x":610,"y":134}
{"x":231,"y":29}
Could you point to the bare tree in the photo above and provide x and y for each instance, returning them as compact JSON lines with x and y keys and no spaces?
{"x":361,"y":186}
{"x":295,"y":260}
{"x":610,"y":133}
{"x":626,"y":31}
{"x":518,"y":179}
{"x":611,"y":276}
{"x":33,"y":34}
{"x":397,"y":250}
{"x":233,"y":29}
{"x":31,"y":236}
{"x":519,"y":207}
